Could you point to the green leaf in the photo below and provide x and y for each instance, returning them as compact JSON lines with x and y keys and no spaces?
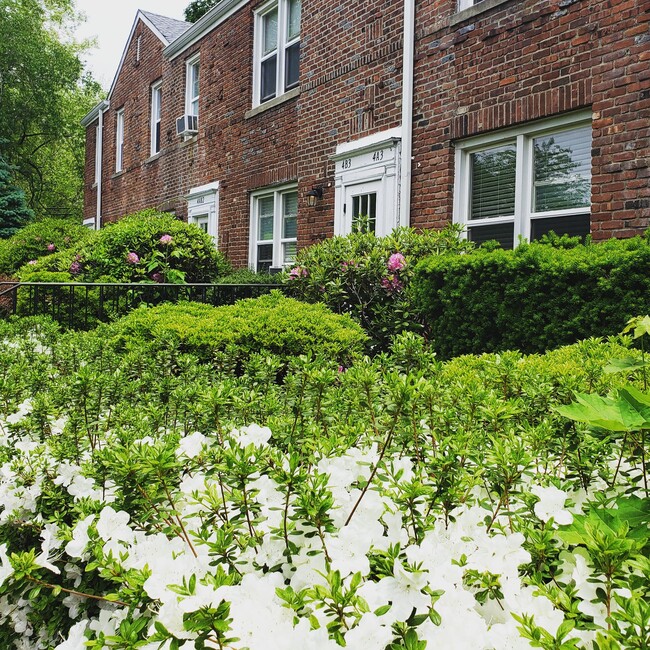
{"x":626,"y":364}
{"x":603,"y":412}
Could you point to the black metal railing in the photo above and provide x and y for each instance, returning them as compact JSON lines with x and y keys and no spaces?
{"x":81,"y":305}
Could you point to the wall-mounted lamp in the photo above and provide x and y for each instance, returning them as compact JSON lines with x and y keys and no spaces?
{"x":314,"y":195}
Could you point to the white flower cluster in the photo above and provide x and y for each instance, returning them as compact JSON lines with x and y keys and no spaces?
{"x":290,"y":553}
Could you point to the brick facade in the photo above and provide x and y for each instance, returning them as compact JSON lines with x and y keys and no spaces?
{"x":500,"y":64}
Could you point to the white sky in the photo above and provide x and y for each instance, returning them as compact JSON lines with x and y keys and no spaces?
{"x":110,"y":22}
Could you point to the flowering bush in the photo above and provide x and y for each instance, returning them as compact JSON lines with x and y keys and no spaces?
{"x":41,"y":239}
{"x":398,"y":503}
{"x":147,"y":246}
{"x":369,"y":277}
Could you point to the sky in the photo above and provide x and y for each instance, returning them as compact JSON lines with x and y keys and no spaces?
{"x":109,"y":22}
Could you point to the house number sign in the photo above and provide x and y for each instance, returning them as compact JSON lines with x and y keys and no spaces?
{"x":370,"y":158}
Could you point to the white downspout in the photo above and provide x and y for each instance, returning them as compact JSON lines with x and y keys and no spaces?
{"x":99,"y":146}
{"x":407,"y":112}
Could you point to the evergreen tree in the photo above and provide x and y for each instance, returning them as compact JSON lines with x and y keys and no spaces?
{"x":14,"y":213}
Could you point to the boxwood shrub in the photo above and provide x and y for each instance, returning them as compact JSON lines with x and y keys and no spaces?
{"x":271,"y":324}
{"x":534,"y":298}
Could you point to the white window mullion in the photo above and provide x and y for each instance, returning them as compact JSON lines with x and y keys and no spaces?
{"x":277,"y":230}
{"x":282,"y":34}
{"x":522,"y":190}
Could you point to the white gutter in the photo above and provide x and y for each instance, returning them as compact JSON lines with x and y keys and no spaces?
{"x":408,"y":53}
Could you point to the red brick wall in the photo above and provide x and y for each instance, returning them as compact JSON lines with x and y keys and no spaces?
{"x":530,"y":59}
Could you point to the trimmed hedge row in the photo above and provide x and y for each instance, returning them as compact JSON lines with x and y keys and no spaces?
{"x":270,"y":324}
{"x":533,"y":298}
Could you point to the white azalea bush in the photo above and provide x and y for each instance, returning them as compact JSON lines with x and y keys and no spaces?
{"x":398,"y":503}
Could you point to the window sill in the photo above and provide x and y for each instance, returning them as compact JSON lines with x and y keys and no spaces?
{"x":470,"y":12}
{"x":117,"y":174}
{"x":272,"y":103}
{"x":152,"y":158}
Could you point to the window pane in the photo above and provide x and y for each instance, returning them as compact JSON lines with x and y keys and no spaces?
{"x":156,"y":143}
{"x":289,"y":217}
{"x":264,"y":257}
{"x":293,"y":28}
{"x":270,"y":38}
{"x":574,"y":226}
{"x":269,"y":71}
{"x":292,"y":66}
{"x":265,"y":225}
{"x":493,"y":182}
{"x":562,"y":170}
{"x":364,"y":212}
{"x":195,"y":80}
{"x":504,"y":233}
{"x":288,"y":252}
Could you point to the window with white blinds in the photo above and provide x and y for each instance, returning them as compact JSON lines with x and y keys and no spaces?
{"x":525,"y":183}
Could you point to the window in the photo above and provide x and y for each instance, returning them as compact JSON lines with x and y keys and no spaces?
{"x":192,"y":87}
{"x":526,"y":182}
{"x":156,"y":105}
{"x":274,"y":228}
{"x":98,"y":153}
{"x":277,"y":49}
{"x":119,"y":141}
{"x":465,"y":4}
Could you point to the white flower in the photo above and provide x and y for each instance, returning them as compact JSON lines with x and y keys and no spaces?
{"x":369,"y":634}
{"x":43,"y":559}
{"x":551,"y":504}
{"x":76,"y":637}
{"x":113,"y":526}
{"x":253,"y":434}
{"x":403,"y":590}
{"x":191,"y":445}
{"x":76,"y":546}
{"x":5,"y":565}
{"x":23,"y":410}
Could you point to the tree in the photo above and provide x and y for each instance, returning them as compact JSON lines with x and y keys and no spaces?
{"x":14,"y":213}
{"x":198,"y":8}
{"x":43,"y":96}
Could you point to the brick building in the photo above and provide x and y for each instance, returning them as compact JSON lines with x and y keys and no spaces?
{"x":273,"y":125}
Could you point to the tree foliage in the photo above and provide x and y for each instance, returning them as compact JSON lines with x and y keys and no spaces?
{"x":197,"y":8}
{"x":43,"y":95}
{"x":14,"y":213}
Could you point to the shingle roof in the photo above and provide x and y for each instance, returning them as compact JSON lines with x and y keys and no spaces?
{"x":170,"y":28}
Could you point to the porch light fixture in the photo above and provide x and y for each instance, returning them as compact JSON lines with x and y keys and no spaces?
{"x":314,"y":195}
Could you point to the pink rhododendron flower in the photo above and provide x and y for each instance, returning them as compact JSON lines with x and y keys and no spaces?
{"x":396,"y":262}
{"x":165,"y":240}
{"x":298,"y":272}
{"x":157,"y":277}
{"x":32,"y":262}
{"x":392,"y":284}
{"x":75,"y":268}
{"x":51,"y":248}
{"x":132,"y":258}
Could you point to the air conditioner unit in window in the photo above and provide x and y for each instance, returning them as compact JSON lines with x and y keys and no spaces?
{"x":187,"y":125}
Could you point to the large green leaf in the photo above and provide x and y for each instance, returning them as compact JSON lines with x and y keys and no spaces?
{"x":626,"y":364}
{"x":604,"y":412}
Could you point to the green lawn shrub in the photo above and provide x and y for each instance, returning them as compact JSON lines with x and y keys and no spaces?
{"x":369,"y":277}
{"x":147,"y":246}
{"x":42,"y":239}
{"x":270,"y":324}
{"x":534,"y":298}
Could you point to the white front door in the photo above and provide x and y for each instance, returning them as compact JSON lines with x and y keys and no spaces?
{"x":364,"y":202}
{"x":203,"y":209}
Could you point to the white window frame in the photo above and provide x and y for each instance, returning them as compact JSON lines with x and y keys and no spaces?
{"x":466,"y":4}
{"x":156,"y":116}
{"x":192,"y":69}
{"x":523,"y":138}
{"x":283,"y":45}
{"x":119,"y":141}
{"x":278,"y":193}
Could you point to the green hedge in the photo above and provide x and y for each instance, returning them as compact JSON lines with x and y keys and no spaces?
{"x":533,"y":298}
{"x":271,"y":324}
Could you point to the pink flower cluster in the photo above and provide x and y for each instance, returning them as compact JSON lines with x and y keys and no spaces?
{"x":132,"y":258}
{"x":165,"y":240}
{"x":392,"y":284}
{"x":298,"y":272}
{"x":75,"y":268}
{"x":346,"y":266}
{"x":396,"y":262}
{"x":51,"y":247}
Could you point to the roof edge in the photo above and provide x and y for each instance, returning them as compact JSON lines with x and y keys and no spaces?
{"x":93,"y":114}
{"x":205,"y":24}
